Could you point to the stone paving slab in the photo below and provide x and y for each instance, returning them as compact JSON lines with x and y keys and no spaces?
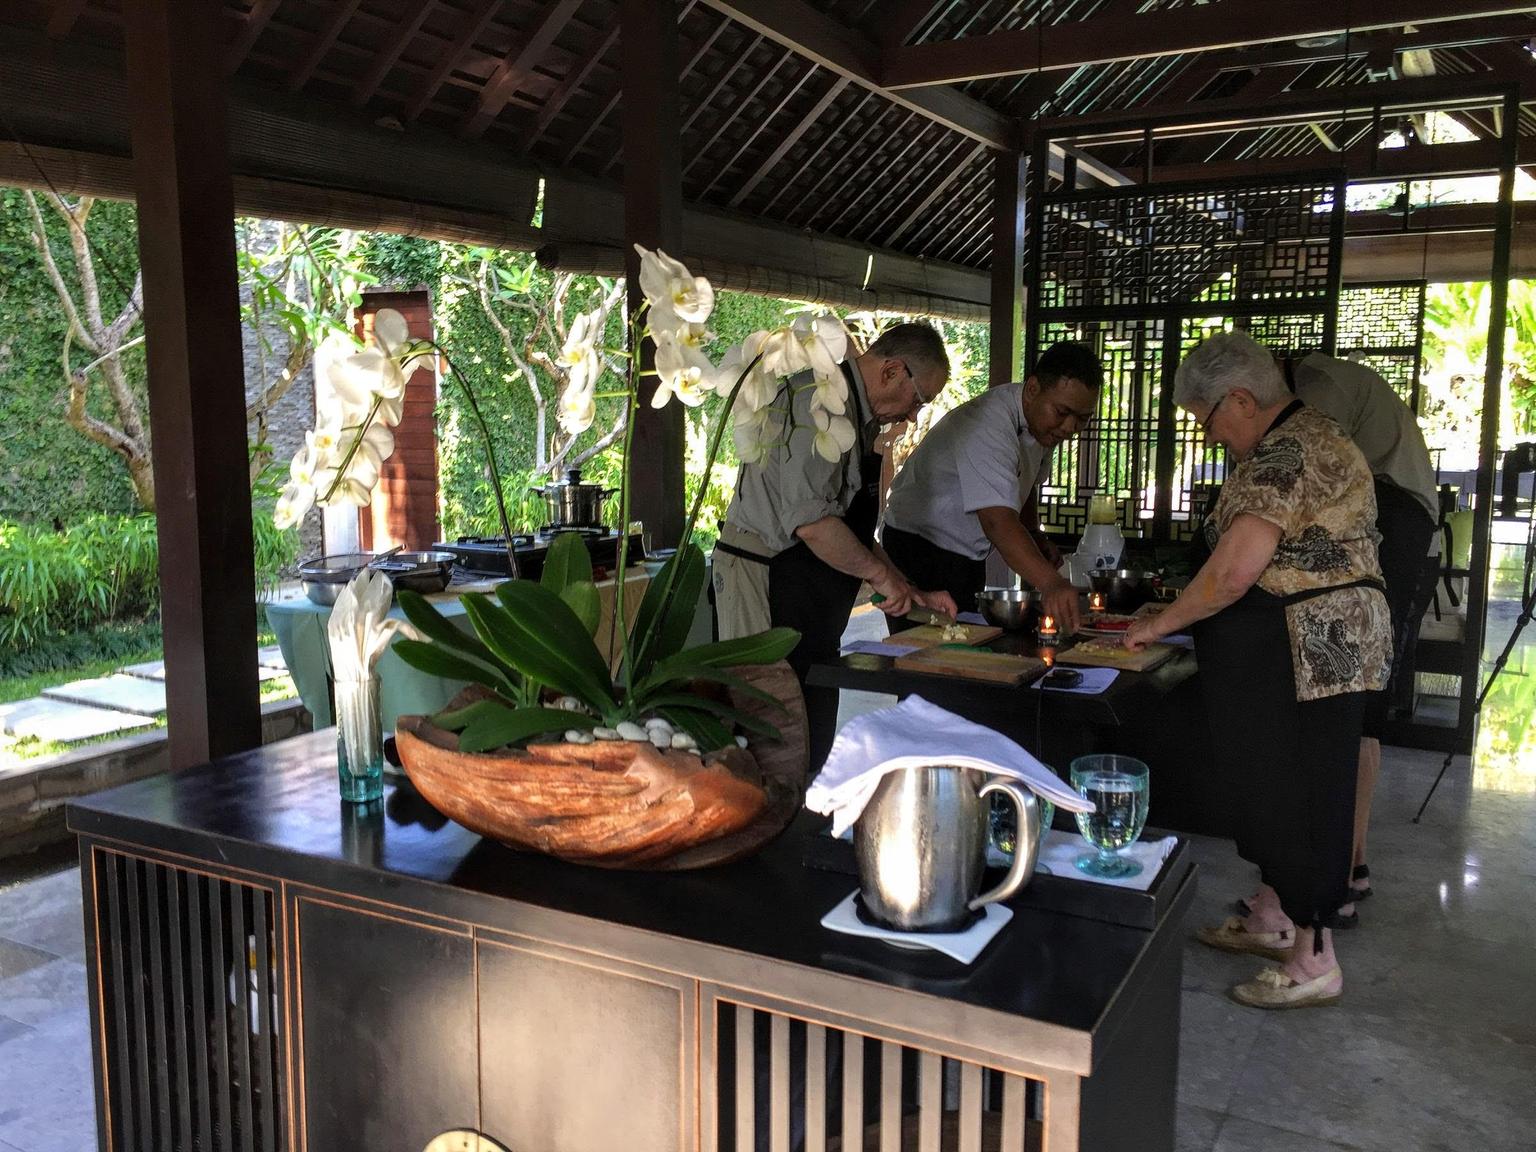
{"x":118,"y":692}
{"x":64,"y":721}
{"x":271,"y":657}
{"x":155,"y":670}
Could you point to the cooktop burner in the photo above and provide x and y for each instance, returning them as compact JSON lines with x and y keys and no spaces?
{"x":487,"y":555}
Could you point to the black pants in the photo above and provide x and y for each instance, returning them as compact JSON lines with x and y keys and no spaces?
{"x":816,"y":600}
{"x":1287,"y":767}
{"x":1405,"y":530}
{"x":930,"y":567}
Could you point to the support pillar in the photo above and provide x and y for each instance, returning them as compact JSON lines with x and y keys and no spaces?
{"x":1005,"y":347}
{"x":185,"y":195}
{"x":653,"y":204}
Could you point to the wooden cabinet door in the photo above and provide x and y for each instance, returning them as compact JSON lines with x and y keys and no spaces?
{"x":388,"y":1043}
{"x":580,"y":1053}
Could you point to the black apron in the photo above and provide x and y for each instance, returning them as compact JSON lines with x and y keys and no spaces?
{"x":1287,"y":767}
{"x":811,"y":596}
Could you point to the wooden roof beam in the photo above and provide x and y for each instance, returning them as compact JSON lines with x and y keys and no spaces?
{"x":390,"y":55}
{"x":62,"y":20}
{"x":324,"y":42}
{"x":473,"y":26}
{"x":255,"y":23}
{"x":791,"y":138}
{"x":1208,"y":28}
{"x":831,"y":45}
{"x":517,"y":65}
{"x":1460,"y":34}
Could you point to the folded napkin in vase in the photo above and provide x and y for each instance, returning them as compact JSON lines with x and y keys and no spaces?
{"x":916,"y":734}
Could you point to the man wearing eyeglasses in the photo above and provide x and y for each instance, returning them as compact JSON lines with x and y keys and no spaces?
{"x":799,"y":536}
{"x":970,"y":485}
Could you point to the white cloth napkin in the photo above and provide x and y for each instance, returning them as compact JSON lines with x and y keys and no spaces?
{"x":963,"y":946}
{"x":914,"y":734}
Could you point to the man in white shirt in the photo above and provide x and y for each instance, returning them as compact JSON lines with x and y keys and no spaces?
{"x":1407,"y":511}
{"x":969,"y":486}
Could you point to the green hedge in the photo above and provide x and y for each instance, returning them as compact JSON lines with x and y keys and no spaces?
{"x":48,"y":471}
{"x":99,"y":570}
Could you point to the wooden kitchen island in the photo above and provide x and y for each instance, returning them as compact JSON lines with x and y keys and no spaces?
{"x":273,"y":969}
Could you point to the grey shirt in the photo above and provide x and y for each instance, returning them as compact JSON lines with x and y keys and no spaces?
{"x":981,"y":455}
{"x":1376,"y":419}
{"x":794,"y":486}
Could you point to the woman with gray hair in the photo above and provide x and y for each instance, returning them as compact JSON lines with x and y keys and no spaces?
{"x":1292,"y":632}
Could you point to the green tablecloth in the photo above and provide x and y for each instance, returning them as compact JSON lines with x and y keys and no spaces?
{"x":300,"y":627}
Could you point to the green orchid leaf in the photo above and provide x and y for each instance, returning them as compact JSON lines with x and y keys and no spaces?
{"x":435,"y":626}
{"x":760,"y":648}
{"x":707,"y":732}
{"x":566,"y":563}
{"x":665,"y":616}
{"x":680,"y":675}
{"x":494,"y":726}
{"x":534,"y":631}
{"x":438,"y":661}
{"x":723,"y":712}
{"x":583,"y":599}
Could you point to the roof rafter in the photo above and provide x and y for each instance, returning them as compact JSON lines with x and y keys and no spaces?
{"x":1209,"y":28}
{"x":474,"y":25}
{"x":516,"y":66}
{"x":390,"y":54}
{"x":791,"y":138}
{"x":829,"y":44}
{"x":324,"y":41}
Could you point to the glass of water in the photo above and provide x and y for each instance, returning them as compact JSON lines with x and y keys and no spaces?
{"x":1118,"y":787}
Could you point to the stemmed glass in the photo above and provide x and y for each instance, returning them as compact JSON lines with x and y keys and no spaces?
{"x":1118,"y":786}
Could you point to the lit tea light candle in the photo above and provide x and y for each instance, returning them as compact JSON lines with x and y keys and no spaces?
{"x":1047,"y":633}
{"x":1096,"y":601}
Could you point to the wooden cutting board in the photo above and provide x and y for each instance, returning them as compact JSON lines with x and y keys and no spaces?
{"x":973,"y":664}
{"x":1109,"y":652}
{"x":931,"y":635}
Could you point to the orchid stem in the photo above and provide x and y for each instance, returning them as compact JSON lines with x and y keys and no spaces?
{"x":490,"y":456}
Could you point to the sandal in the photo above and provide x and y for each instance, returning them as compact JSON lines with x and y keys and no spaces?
{"x":1342,"y":921}
{"x":1233,"y":936}
{"x":1272,"y":988}
{"x":1360,"y":872}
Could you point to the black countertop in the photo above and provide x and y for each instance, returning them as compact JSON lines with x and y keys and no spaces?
{"x":276,"y":811}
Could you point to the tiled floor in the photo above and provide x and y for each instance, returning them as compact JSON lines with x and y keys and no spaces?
{"x":1433,"y":1047}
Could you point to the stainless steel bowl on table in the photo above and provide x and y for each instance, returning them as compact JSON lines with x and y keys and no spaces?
{"x":325,"y":576}
{"x":1011,"y":609}
{"x":423,"y":572}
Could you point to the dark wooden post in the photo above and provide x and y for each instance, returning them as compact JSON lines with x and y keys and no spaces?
{"x":653,"y":202}
{"x":196,"y":375}
{"x":1008,"y":174}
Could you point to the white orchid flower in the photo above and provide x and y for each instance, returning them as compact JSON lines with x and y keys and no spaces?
{"x":755,"y":433}
{"x":677,"y":297}
{"x":295,"y":501}
{"x":681,"y":371}
{"x":825,"y":343}
{"x":830,"y":394}
{"x":783,"y":354}
{"x":760,"y":386}
{"x":576,"y":409}
{"x":834,"y":435}
{"x":377,"y":444}
{"x":579,"y":358}
{"x":390,"y":331}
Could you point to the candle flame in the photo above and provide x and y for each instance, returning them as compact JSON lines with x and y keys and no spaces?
{"x":1048,"y":624}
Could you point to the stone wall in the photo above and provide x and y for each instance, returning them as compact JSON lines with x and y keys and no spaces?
{"x":294,"y":412}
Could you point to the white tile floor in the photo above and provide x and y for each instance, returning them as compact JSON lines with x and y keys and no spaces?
{"x":1433,"y":1047}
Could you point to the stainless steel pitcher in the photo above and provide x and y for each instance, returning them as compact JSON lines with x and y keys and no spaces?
{"x":921,"y":844}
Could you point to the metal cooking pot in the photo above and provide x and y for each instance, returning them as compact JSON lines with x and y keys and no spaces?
{"x":1010,"y":609}
{"x":1124,"y":589}
{"x":572,"y":504}
{"x":325,"y":576}
{"x":423,"y":572}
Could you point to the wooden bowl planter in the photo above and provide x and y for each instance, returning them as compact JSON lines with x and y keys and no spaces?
{"x":621,"y":804}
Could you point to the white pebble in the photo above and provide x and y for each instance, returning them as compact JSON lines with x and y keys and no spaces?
{"x":629,"y":730}
{"x":659,"y":738}
{"x":684,"y":741}
{"x":657,"y":722}
{"x":741,"y":741}
{"x":578,"y":736}
{"x":606,"y":734}
{"x":570,"y":704}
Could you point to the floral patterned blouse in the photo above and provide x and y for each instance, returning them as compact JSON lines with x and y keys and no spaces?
{"x":1308,"y":479}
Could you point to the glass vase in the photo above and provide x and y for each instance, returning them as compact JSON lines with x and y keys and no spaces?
{"x":359,"y":741}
